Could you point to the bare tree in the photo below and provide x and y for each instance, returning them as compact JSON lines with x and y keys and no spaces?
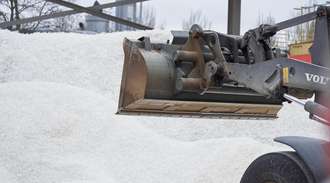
{"x":196,"y":17}
{"x":304,"y":32}
{"x":162,"y":26}
{"x":270,"y":20}
{"x":149,"y":17}
{"x":68,"y":23}
{"x":14,"y":10}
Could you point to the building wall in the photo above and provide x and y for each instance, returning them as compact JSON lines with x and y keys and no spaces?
{"x":128,"y":12}
{"x":96,"y":24}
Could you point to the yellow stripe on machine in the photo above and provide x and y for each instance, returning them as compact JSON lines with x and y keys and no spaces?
{"x":286,"y":75}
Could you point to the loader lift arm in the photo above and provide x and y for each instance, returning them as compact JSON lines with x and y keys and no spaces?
{"x":273,"y":76}
{"x":206,"y":73}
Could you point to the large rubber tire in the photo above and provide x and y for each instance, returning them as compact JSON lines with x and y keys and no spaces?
{"x":280,"y":167}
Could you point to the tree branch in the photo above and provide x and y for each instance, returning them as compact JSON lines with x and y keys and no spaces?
{"x":3,"y":16}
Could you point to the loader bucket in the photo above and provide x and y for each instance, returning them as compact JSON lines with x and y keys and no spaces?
{"x":152,"y":84}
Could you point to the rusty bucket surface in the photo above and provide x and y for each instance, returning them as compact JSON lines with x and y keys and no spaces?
{"x":149,"y":87}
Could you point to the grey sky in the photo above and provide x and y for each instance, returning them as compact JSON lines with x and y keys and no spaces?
{"x":172,"y":12}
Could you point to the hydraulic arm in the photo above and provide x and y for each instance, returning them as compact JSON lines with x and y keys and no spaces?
{"x":204,"y":72}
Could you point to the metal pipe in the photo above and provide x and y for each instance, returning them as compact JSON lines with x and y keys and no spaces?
{"x":140,"y":17}
{"x":181,"y":55}
{"x":296,"y":21}
{"x":294,"y":99}
{"x":318,"y":112}
{"x":100,"y":14}
{"x":234,"y":17}
{"x":189,"y":84}
{"x":66,"y":13}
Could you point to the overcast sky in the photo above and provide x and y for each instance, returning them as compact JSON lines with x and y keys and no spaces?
{"x":172,"y":12}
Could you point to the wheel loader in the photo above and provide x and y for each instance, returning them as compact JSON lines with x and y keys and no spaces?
{"x":203,"y":73}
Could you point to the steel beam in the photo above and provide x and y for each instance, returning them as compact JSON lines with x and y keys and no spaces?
{"x":293,"y":22}
{"x":101,"y":14}
{"x":67,"y":13}
{"x":234,"y":17}
{"x":296,"y":21}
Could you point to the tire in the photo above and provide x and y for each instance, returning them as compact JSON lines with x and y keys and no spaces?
{"x":280,"y":167}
